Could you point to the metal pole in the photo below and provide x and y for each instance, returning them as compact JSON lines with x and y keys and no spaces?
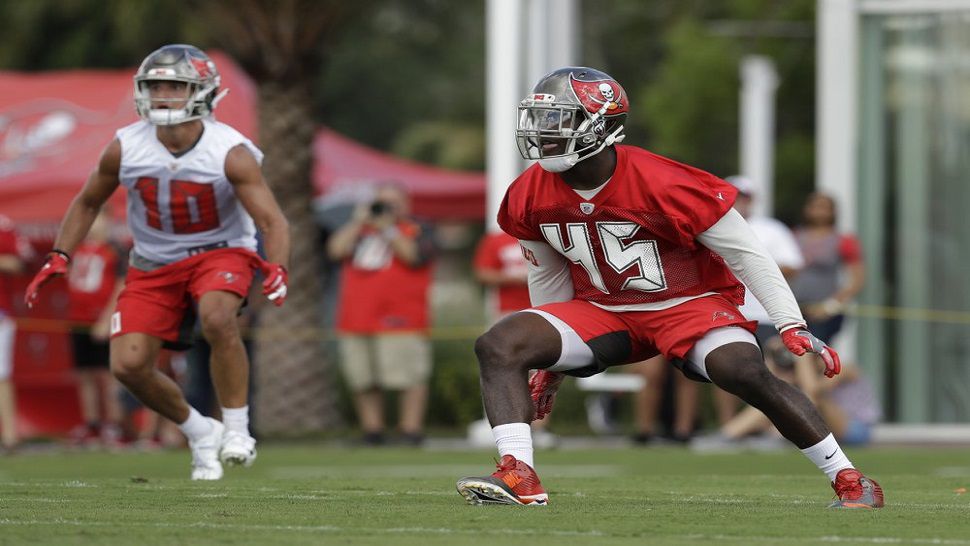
{"x":503,"y":24}
{"x":836,"y":111}
{"x":759,"y":81}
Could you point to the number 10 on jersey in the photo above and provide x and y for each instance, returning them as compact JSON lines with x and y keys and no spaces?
{"x":191,"y":205}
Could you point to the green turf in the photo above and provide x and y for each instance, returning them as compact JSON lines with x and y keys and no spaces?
{"x":317,"y":495}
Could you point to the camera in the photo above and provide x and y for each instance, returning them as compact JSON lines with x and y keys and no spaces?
{"x":378,"y":208}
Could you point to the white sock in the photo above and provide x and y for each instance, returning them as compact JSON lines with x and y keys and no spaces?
{"x":236,"y":419}
{"x":828,"y":456}
{"x":514,"y":439}
{"x":196,"y":426}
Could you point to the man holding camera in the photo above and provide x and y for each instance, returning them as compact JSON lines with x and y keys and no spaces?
{"x":382,"y":317}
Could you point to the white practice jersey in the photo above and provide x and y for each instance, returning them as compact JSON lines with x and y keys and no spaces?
{"x":181,"y":206}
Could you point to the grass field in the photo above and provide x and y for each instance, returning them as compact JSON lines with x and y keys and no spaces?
{"x":324,"y":495}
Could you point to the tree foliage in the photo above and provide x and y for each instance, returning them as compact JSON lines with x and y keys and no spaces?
{"x":411,"y":78}
{"x":61,"y":34}
{"x":679,"y":61}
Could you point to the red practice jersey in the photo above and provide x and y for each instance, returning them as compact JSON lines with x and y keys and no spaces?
{"x":501,"y":252}
{"x":95,"y":268}
{"x":633,"y":244}
{"x":381,"y":293}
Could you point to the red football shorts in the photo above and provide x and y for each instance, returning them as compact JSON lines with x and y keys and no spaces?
{"x":632,"y":336}
{"x":157,"y":302}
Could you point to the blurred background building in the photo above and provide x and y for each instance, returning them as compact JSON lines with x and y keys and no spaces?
{"x":892,"y":147}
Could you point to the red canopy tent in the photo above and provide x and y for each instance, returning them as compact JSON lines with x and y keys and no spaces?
{"x":54,"y":125}
{"x":343,"y":166}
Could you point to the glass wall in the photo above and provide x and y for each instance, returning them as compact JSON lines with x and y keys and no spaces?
{"x":914,"y":212}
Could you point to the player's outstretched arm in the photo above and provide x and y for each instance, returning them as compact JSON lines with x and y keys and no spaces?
{"x":88,"y":202}
{"x":246,"y":177}
{"x":732,"y":239}
{"x":82,"y":211}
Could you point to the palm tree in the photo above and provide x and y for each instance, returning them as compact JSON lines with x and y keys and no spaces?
{"x":281,"y":43}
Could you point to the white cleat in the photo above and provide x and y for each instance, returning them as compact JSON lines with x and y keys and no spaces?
{"x":205,"y":453}
{"x":238,"y":449}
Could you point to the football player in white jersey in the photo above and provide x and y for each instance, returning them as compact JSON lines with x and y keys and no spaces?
{"x":196,"y":195}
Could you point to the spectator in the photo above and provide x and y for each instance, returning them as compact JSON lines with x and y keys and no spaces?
{"x":848,"y":404}
{"x":500,"y":266}
{"x":383,"y":312}
{"x":830,"y":257}
{"x":95,"y":278}
{"x":11,"y":263}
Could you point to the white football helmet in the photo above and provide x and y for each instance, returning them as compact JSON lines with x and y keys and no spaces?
{"x":181,"y":63}
{"x":571,"y":115}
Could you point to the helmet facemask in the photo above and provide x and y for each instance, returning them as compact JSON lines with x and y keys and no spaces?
{"x":559,"y":129}
{"x":184,"y":64}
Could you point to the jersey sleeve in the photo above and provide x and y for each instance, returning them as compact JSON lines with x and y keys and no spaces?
{"x":253,"y":149}
{"x":850,"y":250}
{"x":695,"y":201}
{"x":549,"y":278}
{"x":732,"y":239}
{"x":513,"y":214}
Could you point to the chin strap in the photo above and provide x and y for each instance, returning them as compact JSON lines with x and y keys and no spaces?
{"x":222,"y":94}
{"x":610,"y":140}
{"x":613,"y":138}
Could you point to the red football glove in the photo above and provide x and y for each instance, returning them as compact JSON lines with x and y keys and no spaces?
{"x":543,"y":386}
{"x":799,"y":341}
{"x":274,"y":287}
{"x":55,"y":264}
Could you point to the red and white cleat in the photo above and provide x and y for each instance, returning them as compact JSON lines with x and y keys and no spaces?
{"x":856,"y":491}
{"x":513,"y":483}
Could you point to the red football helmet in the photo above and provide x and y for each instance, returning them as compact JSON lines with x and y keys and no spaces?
{"x":571,"y":115}
{"x":181,"y":63}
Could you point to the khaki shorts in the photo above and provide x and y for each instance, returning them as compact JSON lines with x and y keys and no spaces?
{"x":385,"y":361}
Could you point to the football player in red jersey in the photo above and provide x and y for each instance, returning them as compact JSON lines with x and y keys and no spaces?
{"x":632,"y":255}
{"x":196,"y":195}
